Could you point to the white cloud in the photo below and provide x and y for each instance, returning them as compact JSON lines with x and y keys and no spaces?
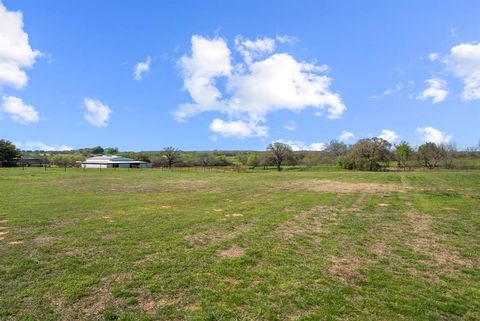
{"x":436,"y":90}
{"x":398,"y":87}
{"x":290,"y":125}
{"x":36,"y":145}
{"x":141,"y":68}
{"x":255,"y":88}
{"x":18,"y":110}
{"x":15,"y":51}
{"x":433,"y":56}
{"x":97,"y":113}
{"x":238,"y":128}
{"x":286,"y":39}
{"x":251,"y":49}
{"x":298,"y":145}
{"x":433,"y":135}
{"x":388,"y":135}
{"x":346,"y":135}
{"x":464,"y":62}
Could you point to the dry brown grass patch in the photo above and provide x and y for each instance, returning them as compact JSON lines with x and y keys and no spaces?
{"x":345,"y":269}
{"x":326,"y":186}
{"x":234,"y":251}
{"x":307,"y":222}
{"x":214,"y":236}
{"x":427,"y":242}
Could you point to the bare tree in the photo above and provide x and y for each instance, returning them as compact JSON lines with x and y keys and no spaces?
{"x":448,"y":153}
{"x":172,"y":155}
{"x":279,"y":153}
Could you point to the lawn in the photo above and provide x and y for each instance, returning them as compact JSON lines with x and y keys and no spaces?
{"x":261,"y":245}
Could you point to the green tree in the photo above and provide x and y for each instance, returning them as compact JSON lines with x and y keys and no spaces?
{"x":403,"y":153}
{"x":97,"y":150}
{"x":368,"y":154}
{"x":429,"y":154}
{"x":8,"y":152}
{"x":253,"y":160}
{"x":111,"y":151}
{"x":279,"y":153}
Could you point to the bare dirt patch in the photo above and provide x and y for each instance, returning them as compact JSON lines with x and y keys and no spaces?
{"x":234,"y":251}
{"x":2,"y":233}
{"x":231,"y":280}
{"x":234,"y":215}
{"x":3,"y":221}
{"x":15,"y":242}
{"x":149,"y":305}
{"x":326,"y":186}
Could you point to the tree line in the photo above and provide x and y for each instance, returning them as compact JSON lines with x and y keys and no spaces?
{"x":368,"y":154}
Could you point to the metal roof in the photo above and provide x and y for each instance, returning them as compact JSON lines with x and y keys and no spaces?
{"x":111,"y":160}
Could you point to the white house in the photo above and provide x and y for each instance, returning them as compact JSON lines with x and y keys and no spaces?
{"x":113,"y":162}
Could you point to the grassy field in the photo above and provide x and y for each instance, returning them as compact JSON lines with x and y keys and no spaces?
{"x":295,"y":245}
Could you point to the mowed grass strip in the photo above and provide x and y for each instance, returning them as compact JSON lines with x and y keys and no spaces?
{"x":258,"y":245}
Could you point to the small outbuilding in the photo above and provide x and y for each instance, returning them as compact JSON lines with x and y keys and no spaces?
{"x":113,"y":162}
{"x":29,"y":162}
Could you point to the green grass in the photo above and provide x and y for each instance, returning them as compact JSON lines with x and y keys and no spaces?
{"x":261,"y":245}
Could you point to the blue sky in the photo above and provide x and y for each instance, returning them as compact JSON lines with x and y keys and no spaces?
{"x":238,"y":75}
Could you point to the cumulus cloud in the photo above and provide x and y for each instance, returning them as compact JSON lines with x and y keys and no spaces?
{"x":388,"y":135}
{"x":37,"y":145}
{"x":141,"y":68}
{"x":433,"y":135}
{"x":97,"y":113}
{"x":15,"y":51}
{"x":464,"y":62}
{"x":238,"y":128}
{"x":346,"y":135}
{"x":298,"y":145}
{"x":19,"y":111}
{"x":264,"y":82}
{"x":251,"y":49}
{"x":436,"y":90}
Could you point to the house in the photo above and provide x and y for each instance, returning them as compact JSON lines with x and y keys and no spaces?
{"x":113,"y":162}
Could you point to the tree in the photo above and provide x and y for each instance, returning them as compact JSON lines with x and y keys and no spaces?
{"x":336,"y":148}
{"x":429,"y":154}
{"x":172,"y":155}
{"x":448,"y":153}
{"x":403,"y":153}
{"x":205,"y":159}
{"x":8,"y":152}
{"x":253,"y":160}
{"x":97,"y":150}
{"x":368,"y":154}
{"x":279,"y":153}
{"x":111,"y":151}
{"x":243,"y":158}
